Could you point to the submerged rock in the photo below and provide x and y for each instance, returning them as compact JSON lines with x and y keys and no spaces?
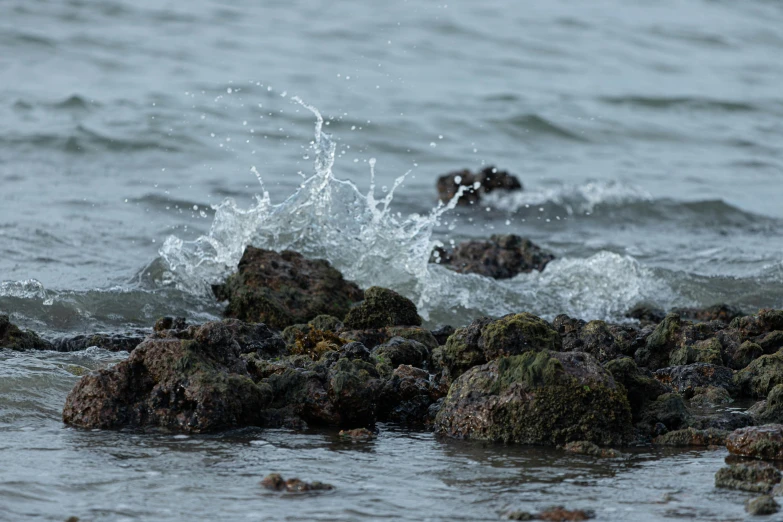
{"x":14,"y":338}
{"x":488,"y":179}
{"x":113,"y":342}
{"x":537,"y":398}
{"x":692,"y":437}
{"x":503,"y":256}
{"x":275,"y":482}
{"x":358,"y":434}
{"x":760,"y":442}
{"x":382,"y":307}
{"x":554,"y":514}
{"x":763,"y":505}
{"x":754,"y":477}
{"x":584,"y":447}
{"x":281,"y":289}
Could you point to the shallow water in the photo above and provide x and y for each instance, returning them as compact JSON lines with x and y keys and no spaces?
{"x":648,"y":138}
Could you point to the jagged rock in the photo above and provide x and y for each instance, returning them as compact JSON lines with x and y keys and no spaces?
{"x":755,"y":477}
{"x":485,"y":181}
{"x":761,"y":442}
{"x":503,"y":256}
{"x":666,"y":413}
{"x":462,"y":351}
{"x":661,"y":342}
{"x":382,"y":307}
{"x":170,"y":323}
{"x":686,"y":379}
{"x":710,"y":396}
{"x":13,"y":338}
{"x":692,"y":437}
{"x":326,"y":322}
{"x":407,"y":396}
{"x":646,"y":314}
{"x":281,"y":289}
{"x":537,"y":398}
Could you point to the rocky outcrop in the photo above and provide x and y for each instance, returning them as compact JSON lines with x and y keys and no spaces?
{"x":537,"y":398}
{"x":487,"y":180}
{"x":382,"y":307}
{"x":760,"y":442}
{"x":281,"y":289}
{"x":503,"y":256}
{"x":14,"y":338}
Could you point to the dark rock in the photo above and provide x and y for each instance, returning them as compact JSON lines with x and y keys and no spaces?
{"x":407,"y":396}
{"x":403,"y":351}
{"x":537,"y":398}
{"x":667,"y":411}
{"x":516,"y":334}
{"x":489,"y":179}
{"x":194,"y":384}
{"x":770,"y":411}
{"x":113,"y":342}
{"x":584,"y":447}
{"x":686,"y":379}
{"x":763,"y":505}
{"x":755,"y":477}
{"x":640,"y":386}
{"x":358,"y":434}
{"x":382,"y":307}
{"x":661,"y":342}
{"x":370,"y":338}
{"x":503,"y":256}
{"x":646,"y":314}
{"x":462,"y":350}
{"x":414,"y":333}
{"x":554,"y":514}
{"x":760,"y":376}
{"x":724,"y":420}
{"x":276,"y":482}
{"x":719,"y":312}
{"x":765,"y":321}
{"x":13,"y":338}
{"x":325,"y":322}
{"x":744,"y":355}
{"x":170,"y":323}
{"x":710,"y":396}
{"x":281,"y":289}
{"x":692,"y":437}
{"x":315,"y":343}
{"x":355,"y":350}
{"x":442,"y":333}
{"x":761,"y":442}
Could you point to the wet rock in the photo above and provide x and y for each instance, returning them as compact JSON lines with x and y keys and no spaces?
{"x":462,"y":351}
{"x":357,"y":435}
{"x":197,"y":383}
{"x":641,"y":388}
{"x":315,"y":343}
{"x":661,"y":342}
{"x":516,"y":334}
{"x":745,"y":354}
{"x":723,"y":420}
{"x":646,"y":314}
{"x":710,"y":396}
{"x":666,"y":413}
{"x":407,"y":396}
{"x":692,"y":437}
{"x":764,"y":322}
{"x":770,"y":411}
{"x":503,"y":256}
{"x":325,"y":322}
{"x":719,"y":312}
{"x":275,"y":482}
{"x":170,"y":323}
{"x":488,"y":179}
{"x":584,"y":447}
{"x":760,"y":376}
{"x":763,"y":505}
{"x":281,"y":289}
{"x":403,"y":351}
{"x":13,"y":338}
{"x":414,"y":333}
{"x":442,"y":333}
{"x":703,"y":351}
{"x":537,"y":398}
{"x":112,"y":342}
{"x":370,"y":338}
{"x":554,"y":514}
{"x":686,"y":379}
{"x":761,"y":442}
{"x":382,"y":307}
{"x":755,"y":477}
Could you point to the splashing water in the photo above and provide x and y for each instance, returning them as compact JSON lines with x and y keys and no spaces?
{"x":330,"y":218}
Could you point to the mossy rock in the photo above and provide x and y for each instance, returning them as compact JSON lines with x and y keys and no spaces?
{"x":399,"y":351}
{"x":516,"y":334}
{"x":746,"y":354}
{"x":382,"y":307}
{"x":759,"y":377}
{"x":669,"y":410}
{"x":462,"y":351}
{"x":13,"y":338}
{"x":326,"y":322}
{"x":537,"y":398}
{"x":414,"y":333}
{"x":706,"y":351}
{"x":770,"y":411}
{"x":665,"y":338}
{"x":641,"y":387}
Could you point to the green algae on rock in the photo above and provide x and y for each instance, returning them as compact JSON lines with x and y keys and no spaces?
{"x":537,"y":398}
{"x":14,"y":338}
{"x":692,"y":437}
{"x":281,"y":289}
{"x":760,"y":442}
{"x":759,"y":377}
{"x":769,"y":411}
{"x":754,"y":477}
{"x":516,"y":334}
{"x":761,"y":506}
{"x":382,"y":307}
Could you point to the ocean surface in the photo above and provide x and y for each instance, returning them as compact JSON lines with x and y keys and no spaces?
{"x":143,"y":144}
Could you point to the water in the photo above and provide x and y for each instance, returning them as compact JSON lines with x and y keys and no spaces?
{"x":648,"y":138}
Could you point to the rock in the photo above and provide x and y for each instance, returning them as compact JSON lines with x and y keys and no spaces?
{"x":13,"y":338}
{"x":765,"y":321}
{"x":170,"y":323}
{"x":357,"y":435}
{"x":553,"y":514}
{"x":770,"y":411}
{"x":661,"y":342}
{"x":382,"y":307}
{"x":692,"y":437}
{"x":442,"y":333}
{"x":763,"y":505}
{"x":584,"y":447}
{"x":668,"y":411}
{"x":761,"y":442}
{"x":281,"y":289}
{"x":403,"y":351}
{"x":722,"y":420}
{"x":710,"y":396}
{"x":760,"y":376}
{"x":275,"y":482}
{"x":719,"y":312}
{"x":503,"y":256}
{"x":489,"y":179}
{"x":197,"y":383}
{"x":325,"y":322}
{"x":537,"y":398}
{"x":646,"y":314}
{"x":113,"y":342}
{"x":407,"y":396}
{"x":462,"y":351}
{"x":704,"y":351}
{"x":315,"y":343}
{"x":515,"y":334}
{"x":744,"y":355}
{"x":414,"y":333}
{"x":755,"y":477}
{"x":686,"y":379}
{"x":640,"y":386}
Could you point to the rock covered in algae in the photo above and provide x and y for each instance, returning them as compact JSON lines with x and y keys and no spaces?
{"x":403,"y":351}
{"x":761,"y":442}
{"x":503,"y":256}
{"x":759,"y":377}
{"x":382,"y":307}
{"x":554,"y":514}
{"x":583,"y":447}
{"x":537,"y":398}
{"x":276,"y":482}
{"x":761,"y":506}
{"x":281,"y":289}
{"x":488,"y":179}
{"x":754,"y":477}
{"x":688,"y":378}
{"x":14,"y":338}
{"x":769,"y":411}
{"x":692,"y":437}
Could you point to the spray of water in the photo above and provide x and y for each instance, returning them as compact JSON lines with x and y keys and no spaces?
{"x":332,"y":219}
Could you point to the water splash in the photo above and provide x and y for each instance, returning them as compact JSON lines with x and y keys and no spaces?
{"x":332,"y":219}
{"x":27,"y":289}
